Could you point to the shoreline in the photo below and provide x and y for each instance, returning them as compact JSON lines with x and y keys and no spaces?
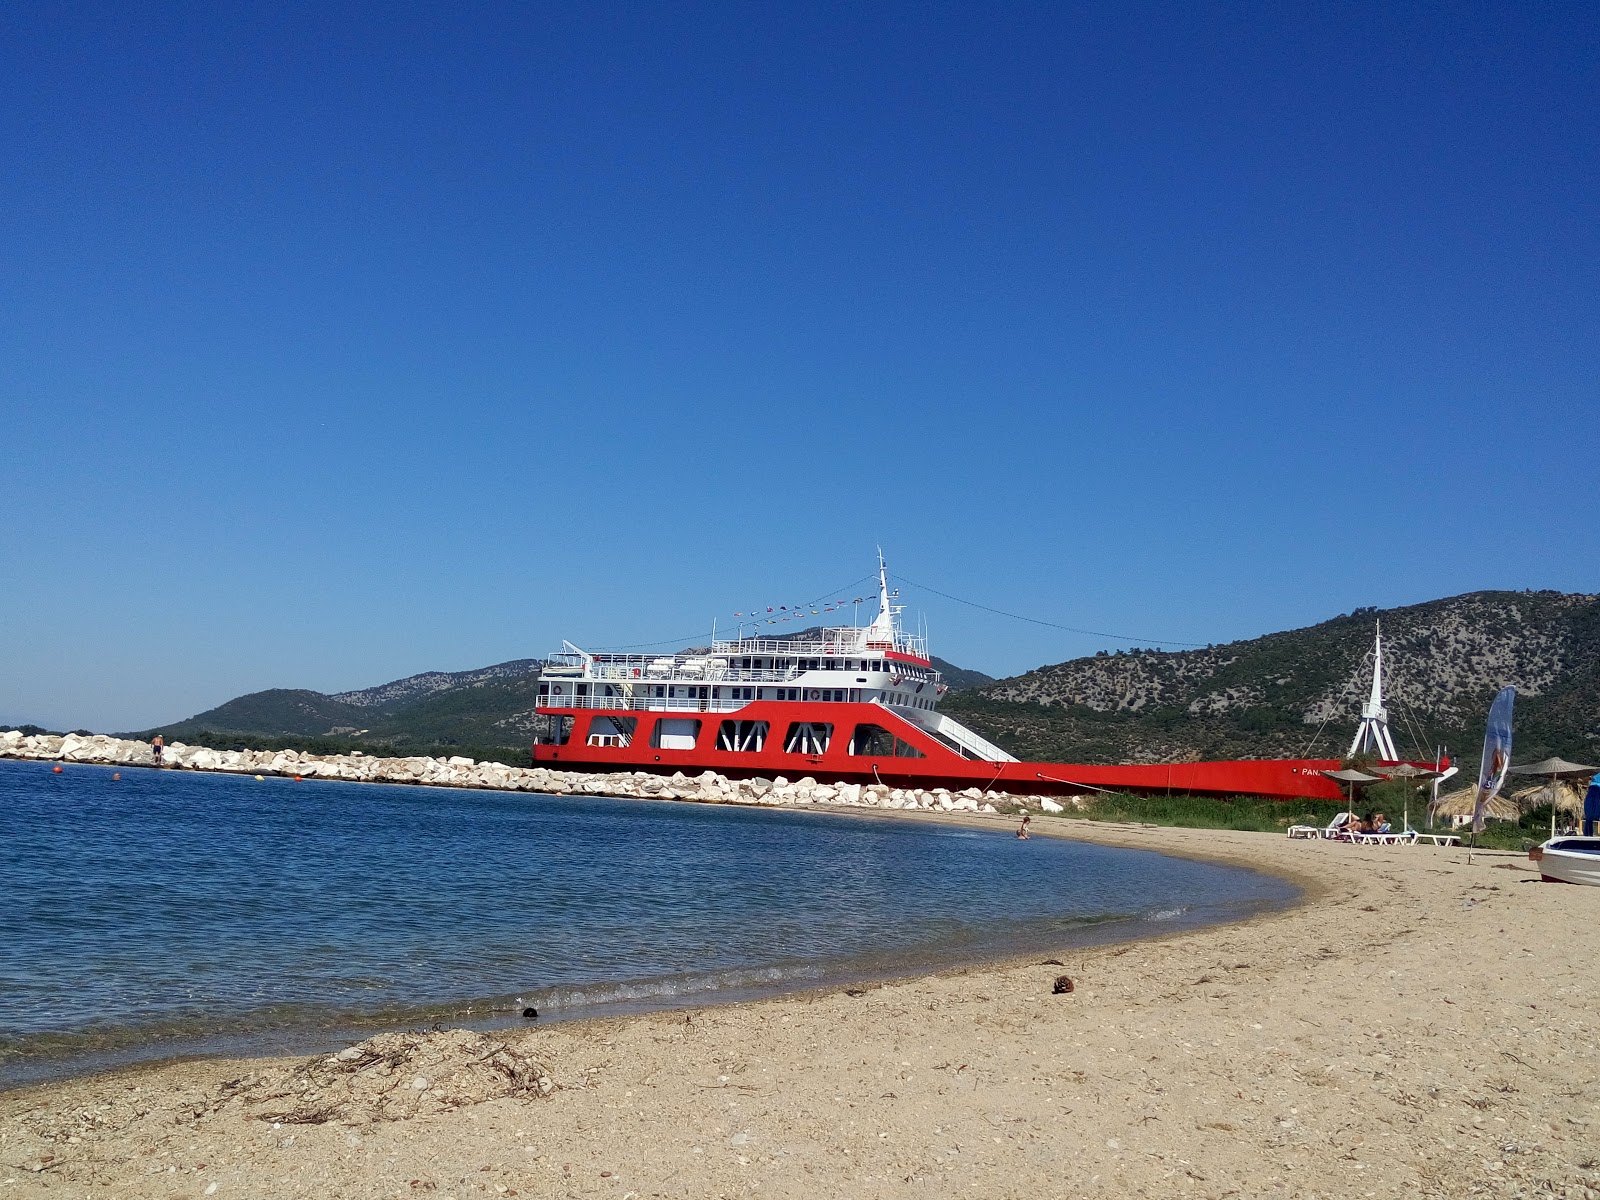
{"x":78,"y":1055}
{"x":1411,"y":1026}
{"x":710,"y":787}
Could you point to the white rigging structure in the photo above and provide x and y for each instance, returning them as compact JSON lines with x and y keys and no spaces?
{"x":1374,"y":728}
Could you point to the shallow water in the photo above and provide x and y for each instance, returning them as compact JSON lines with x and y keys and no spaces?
{"x":171,"y":912}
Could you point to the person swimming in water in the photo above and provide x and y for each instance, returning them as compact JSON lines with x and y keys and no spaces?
{"x":1022,"y":830}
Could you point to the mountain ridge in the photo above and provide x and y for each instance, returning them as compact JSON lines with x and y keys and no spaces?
{"x":1270,"y":695}
{"x":1290,"y":693}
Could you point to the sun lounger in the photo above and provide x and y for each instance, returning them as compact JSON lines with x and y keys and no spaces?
{"x":1386,"y":839}
{"x":1334,"y":829}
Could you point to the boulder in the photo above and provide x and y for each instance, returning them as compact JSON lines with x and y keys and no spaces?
{"x":1049,"y":805}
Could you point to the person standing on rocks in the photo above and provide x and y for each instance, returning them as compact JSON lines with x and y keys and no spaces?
{"x":156,"y":744}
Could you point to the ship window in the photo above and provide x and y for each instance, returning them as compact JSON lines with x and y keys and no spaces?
{"x":808,"y":737}
{"x":675,"y":733}
{"x":742,"y":736}
{"x":612,"y":731}
{"x":560,"y":731}
{"x":874,"y":741}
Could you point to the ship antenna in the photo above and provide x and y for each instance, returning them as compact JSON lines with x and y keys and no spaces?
{"x":882,"y":627}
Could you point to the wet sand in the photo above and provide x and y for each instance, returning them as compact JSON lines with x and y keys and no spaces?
{"x":1416,"y":1027}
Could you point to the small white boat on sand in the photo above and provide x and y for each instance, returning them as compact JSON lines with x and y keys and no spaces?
{"x":1569,"y":860}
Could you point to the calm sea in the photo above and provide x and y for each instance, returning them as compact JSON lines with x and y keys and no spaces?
{"x":169,"y":912}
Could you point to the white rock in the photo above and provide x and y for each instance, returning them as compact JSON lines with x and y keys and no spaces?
{"x":1050,"y":805}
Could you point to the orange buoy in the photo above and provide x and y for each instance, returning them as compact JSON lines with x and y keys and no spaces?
{"x":116,"y":774}
{"x":296,"y":778}
{"x":57,"y":770}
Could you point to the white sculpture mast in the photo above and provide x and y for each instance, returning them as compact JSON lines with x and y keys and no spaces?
{"x":1374,"y":727}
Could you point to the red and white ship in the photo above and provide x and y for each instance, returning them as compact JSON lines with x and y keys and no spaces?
{"x":854,"y":704}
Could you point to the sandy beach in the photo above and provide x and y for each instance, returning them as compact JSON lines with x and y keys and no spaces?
{"x":1417,"y":1026}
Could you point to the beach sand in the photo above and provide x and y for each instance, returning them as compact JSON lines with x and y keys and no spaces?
{"x":1417,"y":1027}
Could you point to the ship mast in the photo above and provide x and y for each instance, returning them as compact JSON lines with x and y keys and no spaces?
{"x":882,"y":627}
{"x":1374,"y":727}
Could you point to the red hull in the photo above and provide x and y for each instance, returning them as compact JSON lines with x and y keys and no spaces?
{"x":937,"y":766}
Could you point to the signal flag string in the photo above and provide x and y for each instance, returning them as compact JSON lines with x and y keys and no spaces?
{"x":1116,"y":637}
{"x":678,"y":641}
{"x":795,"y":610}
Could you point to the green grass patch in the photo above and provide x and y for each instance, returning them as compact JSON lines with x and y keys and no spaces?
{"x":1275,"y":816}
{"x":1209,"y":812}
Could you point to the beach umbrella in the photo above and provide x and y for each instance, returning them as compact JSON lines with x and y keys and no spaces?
{"x":1407,"y":771}
{"x":1554,"y":769}
{"x":1352,"y":778}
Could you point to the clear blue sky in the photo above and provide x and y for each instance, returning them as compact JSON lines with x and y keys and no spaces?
{"x":341,"y":342}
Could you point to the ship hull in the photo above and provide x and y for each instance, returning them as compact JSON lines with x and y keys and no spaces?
{"x":923,"y":760}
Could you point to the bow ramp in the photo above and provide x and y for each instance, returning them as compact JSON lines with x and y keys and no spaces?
{"x":953,"y":734}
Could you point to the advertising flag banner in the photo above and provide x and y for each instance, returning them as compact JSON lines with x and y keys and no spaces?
{"x":1496,"y":754}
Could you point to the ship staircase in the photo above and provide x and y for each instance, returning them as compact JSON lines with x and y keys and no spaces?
{"x":953,"y":734}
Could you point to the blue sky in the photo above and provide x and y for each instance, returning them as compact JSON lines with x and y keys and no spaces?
{"x":341,"y":342}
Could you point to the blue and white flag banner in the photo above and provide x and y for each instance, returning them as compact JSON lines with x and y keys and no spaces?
{"x":1496,"y":754}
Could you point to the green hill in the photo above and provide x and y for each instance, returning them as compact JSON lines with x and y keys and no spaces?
{"x":959,"y":678}
{"x":1284,"y":694}
{"x":291,"y":711}
{"x":1300,"y":692}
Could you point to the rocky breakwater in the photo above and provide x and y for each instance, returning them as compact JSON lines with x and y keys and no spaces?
{"x":708,"y":787}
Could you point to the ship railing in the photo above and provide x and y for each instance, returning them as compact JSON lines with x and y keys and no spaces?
{"x":605,"y":673}
{"x":645,"y":703}
{"x":854,"y":647}
{"x":791,"y":647}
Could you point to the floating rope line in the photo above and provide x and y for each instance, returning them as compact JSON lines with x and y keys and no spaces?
{"x":1116,"y":637}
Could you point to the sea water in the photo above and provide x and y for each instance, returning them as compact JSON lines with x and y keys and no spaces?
{"x":170,"y":912}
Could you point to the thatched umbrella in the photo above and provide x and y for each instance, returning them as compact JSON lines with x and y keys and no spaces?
{"x":1555,"y":771}
{"x":1463,"y":801}
{"x":1562,"y":795}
